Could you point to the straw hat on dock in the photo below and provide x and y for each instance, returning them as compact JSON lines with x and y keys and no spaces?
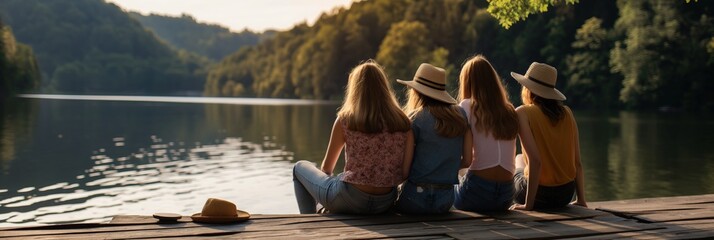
{"x":220,"y":211}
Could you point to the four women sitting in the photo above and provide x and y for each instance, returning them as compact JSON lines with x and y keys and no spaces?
{"x":409,"y":159}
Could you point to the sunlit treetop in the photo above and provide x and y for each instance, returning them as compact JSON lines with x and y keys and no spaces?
{"x":509,"y":12}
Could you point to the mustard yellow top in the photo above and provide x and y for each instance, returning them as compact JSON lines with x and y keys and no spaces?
{"x":556,"y":146}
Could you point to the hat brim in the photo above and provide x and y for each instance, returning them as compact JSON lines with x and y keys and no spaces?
{"x":430,"y":92}
{"x":538,"y":89}
{"x":241,"y":216}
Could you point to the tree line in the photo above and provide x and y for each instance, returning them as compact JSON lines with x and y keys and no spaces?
{"x":18,"y":67}
{"x":93,"y":47}
{"x":636,"y":54}
{"x":208,"y":40}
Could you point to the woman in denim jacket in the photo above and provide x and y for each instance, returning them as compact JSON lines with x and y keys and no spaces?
{"x":442,"y":140}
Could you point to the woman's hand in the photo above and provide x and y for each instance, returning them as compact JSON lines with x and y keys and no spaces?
{"x":520,"y":207}
{"x":579,"y":203}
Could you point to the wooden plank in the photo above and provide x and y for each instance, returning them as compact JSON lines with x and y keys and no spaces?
{"x":656,"y":204}
{"x":676,"y":217}
{"x":254,"y":225}
{"x":136,"y":223}
{"x":694,"y":214}
{"x":317,"y":231}
{"x":570,"y":212}
{"x":557,"y":229}
{"x":677,"y":200}
{"x":689,"y":230}
{"x":648,"y":209}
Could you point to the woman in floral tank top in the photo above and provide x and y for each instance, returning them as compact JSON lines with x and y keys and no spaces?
{"x":378,"y":143}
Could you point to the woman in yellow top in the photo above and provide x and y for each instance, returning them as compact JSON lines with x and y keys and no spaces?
{"x":549,"y":139}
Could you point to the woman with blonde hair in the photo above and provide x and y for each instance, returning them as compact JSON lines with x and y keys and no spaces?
{"x":549,"y":139}
{"x":488,"y":184}
{"x":441,"y":136}
{"x":378,"y":143}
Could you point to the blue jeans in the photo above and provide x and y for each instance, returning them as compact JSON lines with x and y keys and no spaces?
{"x":546,"y":197}
{"x":423,"y":199}
{"x":480,"y":195}
{"x":313,"y":186}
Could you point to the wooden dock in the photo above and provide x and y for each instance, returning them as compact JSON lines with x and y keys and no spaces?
{"x":684,"y":217}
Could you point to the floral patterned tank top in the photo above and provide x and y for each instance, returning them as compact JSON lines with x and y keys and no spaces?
{"x":374,"y":159}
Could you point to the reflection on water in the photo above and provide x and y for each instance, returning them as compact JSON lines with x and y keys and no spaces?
{"x":85,"y":161}
{"x":166,"y":177}
{"x":16,"y":119}
{"x":88,"y":161}
{"x":635,"y":155}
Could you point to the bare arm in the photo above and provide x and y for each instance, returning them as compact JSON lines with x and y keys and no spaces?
{"x":534,"y":162}
{"x":408,"y":155}
{"x":334,"y":148}
{"x":467,"y":151}
{"x":579,"y":176}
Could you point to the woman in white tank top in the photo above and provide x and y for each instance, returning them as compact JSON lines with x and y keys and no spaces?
{"x":488,"y":185}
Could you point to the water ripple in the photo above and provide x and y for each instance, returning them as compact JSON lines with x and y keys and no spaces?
{"x":163,"y":177}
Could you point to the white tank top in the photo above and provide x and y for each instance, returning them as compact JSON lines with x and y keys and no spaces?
{"x":487,"y":151}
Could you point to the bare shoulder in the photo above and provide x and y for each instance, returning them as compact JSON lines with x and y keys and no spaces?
{"x":521,"y":111}
{"x":337,"y":124}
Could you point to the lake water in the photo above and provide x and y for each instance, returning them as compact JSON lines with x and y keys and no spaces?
{"x":87,"y":160}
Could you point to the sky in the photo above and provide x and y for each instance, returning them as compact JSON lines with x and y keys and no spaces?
{"x":256,"y":15}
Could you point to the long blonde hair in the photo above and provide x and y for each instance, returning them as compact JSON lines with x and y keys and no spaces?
{"x":492,"y":111}
{"x":370,"y":105}
{"x":449,"y":120}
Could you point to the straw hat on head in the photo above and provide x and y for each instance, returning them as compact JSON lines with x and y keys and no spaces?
{"x":540,"y":79}
{"x":430,"y":81}
{"x":220,"y":211}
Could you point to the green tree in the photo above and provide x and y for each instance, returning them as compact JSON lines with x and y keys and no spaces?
{"x":97,"y":48}
{"x":590,"y":83}
{"x":309,"y":75}
{"x":404,"y":48}
{"x":651,"y":32}
{"x":18,"y":68}
{"x":509,"y":12}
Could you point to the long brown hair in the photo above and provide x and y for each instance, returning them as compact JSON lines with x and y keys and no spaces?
{"x":449,"y":121}
{"x":370,"y":105}
{"x":552,"y":108}
{"x":492,"y":111}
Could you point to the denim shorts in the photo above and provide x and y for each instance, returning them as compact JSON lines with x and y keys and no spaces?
{"x":312,"y":186}
{"x":424,"y":199}
{"x":480,"y":195}
{"x":547,"y":197}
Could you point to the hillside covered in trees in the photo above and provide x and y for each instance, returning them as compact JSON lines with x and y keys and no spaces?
{"x":640,"y":54}
{"x":208,"y":40}
{"x":18,"y":67}
{"x":90,"y":47}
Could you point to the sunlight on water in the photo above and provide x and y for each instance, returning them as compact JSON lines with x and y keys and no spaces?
{"x":164,"y":177}
{"x":66,"y":161}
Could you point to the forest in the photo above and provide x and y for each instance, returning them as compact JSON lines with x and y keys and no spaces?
{"x":208,"y":40}
{"x":625,"y":54}
{"x":92,"y":47}
{"x":18,"y":67}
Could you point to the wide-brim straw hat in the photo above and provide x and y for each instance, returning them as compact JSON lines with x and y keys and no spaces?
{"x":540,"y":79}
{"x":220,"y":211}
{"x":430,"y":81}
